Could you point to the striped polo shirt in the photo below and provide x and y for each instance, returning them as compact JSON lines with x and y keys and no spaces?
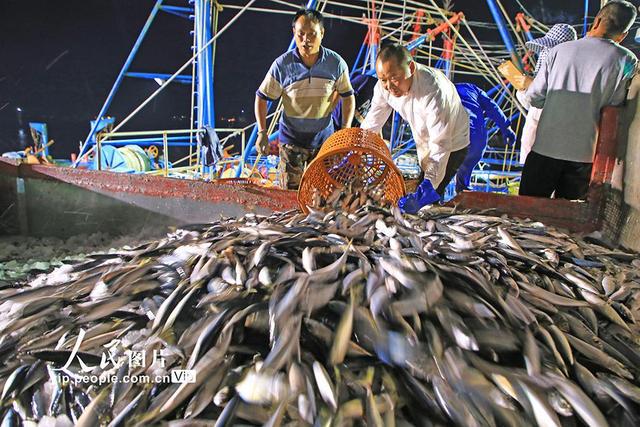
{"x":308,"y":95}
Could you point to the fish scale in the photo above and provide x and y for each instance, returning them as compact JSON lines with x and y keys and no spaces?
{"x":334,"y":316}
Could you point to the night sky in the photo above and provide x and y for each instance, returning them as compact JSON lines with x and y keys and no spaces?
{"x":59,"y":59}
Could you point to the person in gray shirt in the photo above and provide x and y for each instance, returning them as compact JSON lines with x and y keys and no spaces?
{"x":577,"y":80}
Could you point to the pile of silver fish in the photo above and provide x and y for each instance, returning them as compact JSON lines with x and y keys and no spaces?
{"x":336,"y":318}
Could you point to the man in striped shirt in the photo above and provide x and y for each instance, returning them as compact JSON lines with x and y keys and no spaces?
{"x":308,"y":79}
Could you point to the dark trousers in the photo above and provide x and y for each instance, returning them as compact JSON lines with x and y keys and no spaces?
{"x":453,"y":164}
{"x":455,"y":160}
{"x":542,"y":176}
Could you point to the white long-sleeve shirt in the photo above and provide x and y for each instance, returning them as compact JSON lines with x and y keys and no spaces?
{"x":528,"y":136}
{"x":439,"y":122}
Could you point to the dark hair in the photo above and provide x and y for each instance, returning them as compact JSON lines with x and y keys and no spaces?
{"x":310,"y":14}
{"x":394,"y":51}
{"x":618,"y":16}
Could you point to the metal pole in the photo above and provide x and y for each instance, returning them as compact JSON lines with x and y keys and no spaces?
{"x":198,"y":61}
{"x":214,"y":28}
{"x":394,"y":131}
{"x":357,"y":61}
{"x":209,"y":115}
{"x":510,"y":24}
{"x":99,"y":155}
{"x":244,"y":146}
{"x":494,"y":90}
{"x":586,"y":16}
{"x":432,"y":33}
{"x":504,"y":32}
{"x":404,"y":9}
{"x":526,"y":28}
{"x":165,"y":145}
{"x":203,"y":36}
{"x":447,"y":54}
{"x":193,"y":90}
{"x":118,"y":81}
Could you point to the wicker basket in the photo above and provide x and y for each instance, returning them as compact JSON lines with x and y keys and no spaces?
{"x":351,"y":155}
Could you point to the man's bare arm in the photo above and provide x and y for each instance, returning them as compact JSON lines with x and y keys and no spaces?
{"x":348,"y":111}
{"x":260,"y":107}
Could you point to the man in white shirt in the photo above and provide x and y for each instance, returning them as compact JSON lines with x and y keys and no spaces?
{"x":429,"y":102}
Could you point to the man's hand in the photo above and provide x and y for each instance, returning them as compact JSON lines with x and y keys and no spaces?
{"x":262,"y":143}
{"x":508,"y":136}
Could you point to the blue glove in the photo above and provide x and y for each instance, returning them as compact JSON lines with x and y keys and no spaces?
{"x":425,"y":195}
{"x":508,"y":136}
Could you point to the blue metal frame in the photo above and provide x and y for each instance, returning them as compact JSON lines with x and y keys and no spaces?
{"x":447,"y":68}
{"x":182,"y":12}
{"x":417,"y":42}
{"x":496,"y":89}
{"x":586,"y":17}
{"x":395,"y":131}
{"x":173,"y":141}
{"x":504,"y":32}
{"x":355,"y":67}
{"x":121,"y":75}
{"x":204,"y":81}
{"x":202,"y":16}
{"x":408,"y":146}
{"x":152,"y":76}
{"x":528,"y":34}
{"x":99,"y":125}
